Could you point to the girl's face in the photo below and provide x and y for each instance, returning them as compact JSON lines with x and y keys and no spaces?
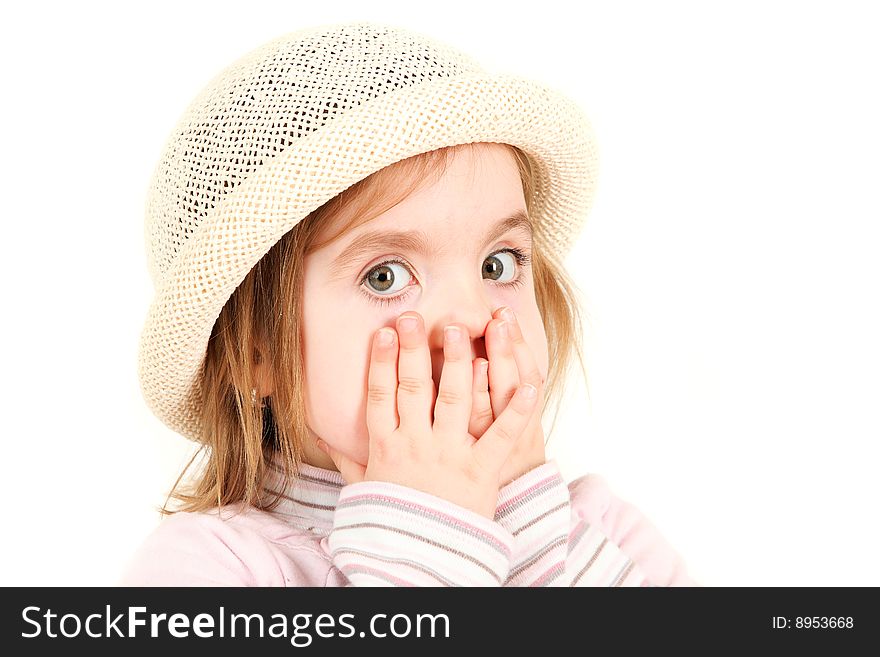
{"x":448,"y":252}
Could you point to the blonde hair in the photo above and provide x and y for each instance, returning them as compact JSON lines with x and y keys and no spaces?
{"x":261,"y":320}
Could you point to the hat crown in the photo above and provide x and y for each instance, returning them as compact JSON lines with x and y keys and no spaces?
{"x":267,"y":100}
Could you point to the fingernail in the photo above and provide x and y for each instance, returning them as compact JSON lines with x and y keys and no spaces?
{"x":452,"y":333}
{"x":484,"y":367}
{"x":385,"y":337}
{"x":322,"y":445}
{"x":408,"y":323}
{"x":507,"y":314}
{"x":528,"y":391}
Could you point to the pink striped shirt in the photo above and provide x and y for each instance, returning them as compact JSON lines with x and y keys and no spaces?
{"x":326,"y":533}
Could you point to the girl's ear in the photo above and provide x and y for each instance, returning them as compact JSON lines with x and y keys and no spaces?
{"x":263,"y":374}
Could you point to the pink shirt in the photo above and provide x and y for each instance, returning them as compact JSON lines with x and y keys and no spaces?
{"x":325,"y":533}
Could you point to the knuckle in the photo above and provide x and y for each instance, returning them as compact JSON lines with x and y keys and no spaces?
{"x":508,"y":396}
{"x":410,"y":385}
{"x":472,"y":475}
{"x":382,"y":450}
{"x":478,"y":462}
{"x":534,"y":377}
{"x":377,"y":394}
{"x":445,"y":459}
{"x":504,"y":433}
{"x":450,"y":397}
{"x":482,"y":414}
{"x":414,"y":448}
{"x":378,"y":447}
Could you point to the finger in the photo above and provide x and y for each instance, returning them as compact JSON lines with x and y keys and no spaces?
{"x":455,"y":391}
{"x":496,"y":444}
{"x":481,"y":407}
{"x":414,"y":379}
{"x":382,"y":385}
{"x":503,"y":374}
{"x":350,"y":470}
{"x":526,"y":367}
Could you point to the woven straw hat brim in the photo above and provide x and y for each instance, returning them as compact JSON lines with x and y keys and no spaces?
{"x":475,"y":107}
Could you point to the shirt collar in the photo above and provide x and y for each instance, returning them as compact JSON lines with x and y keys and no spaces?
{"x":309,"y":500}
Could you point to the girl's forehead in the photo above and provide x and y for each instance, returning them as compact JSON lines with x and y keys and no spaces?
{"x":478,"y":196}
{"x":477,"y":189}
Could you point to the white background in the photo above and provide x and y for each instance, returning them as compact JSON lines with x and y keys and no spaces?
{"x":729,"y":267}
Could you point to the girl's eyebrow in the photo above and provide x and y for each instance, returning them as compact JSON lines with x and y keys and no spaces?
{"x":415,"y":241}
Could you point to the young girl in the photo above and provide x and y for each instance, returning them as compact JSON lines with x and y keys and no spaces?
{"x":356,"y":236}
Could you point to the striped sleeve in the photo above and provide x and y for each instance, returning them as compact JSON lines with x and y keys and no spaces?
{"x":386,"y":534}
{"x":535,"y":510}
{"x":624,"y":525}
{"x":580,"y":535}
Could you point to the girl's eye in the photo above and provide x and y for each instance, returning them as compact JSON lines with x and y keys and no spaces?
{"x":384,"y":279}
{"x":500,"y":269}
{"x":387,"y":279}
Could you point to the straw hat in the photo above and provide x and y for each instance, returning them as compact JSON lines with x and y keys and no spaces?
{"x":292,"y":124}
